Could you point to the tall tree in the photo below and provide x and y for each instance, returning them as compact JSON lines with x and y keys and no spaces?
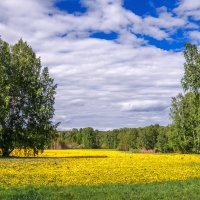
{"x":26,"y":100}
{"x":191,"y":83}
{"x":185,"y":109}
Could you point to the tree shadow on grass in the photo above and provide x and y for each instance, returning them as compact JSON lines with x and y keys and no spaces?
{"x":63,"y":157}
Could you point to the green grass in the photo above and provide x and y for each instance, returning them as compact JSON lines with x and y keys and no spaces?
{"x":179,"y":190}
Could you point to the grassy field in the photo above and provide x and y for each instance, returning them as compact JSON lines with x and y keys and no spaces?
{"x":178,"y":190}
{"x":100,"y":174}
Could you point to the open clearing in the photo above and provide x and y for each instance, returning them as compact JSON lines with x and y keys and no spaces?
{"x":93,"y":167}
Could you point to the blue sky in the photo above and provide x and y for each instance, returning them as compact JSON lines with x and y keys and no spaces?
{"x":117,"y":63}
{"x":141,"y":8}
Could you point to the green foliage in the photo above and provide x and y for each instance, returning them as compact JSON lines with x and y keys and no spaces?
{"x":191,"y":79}
{"x":153,"y":137}
{"x":163,"y":140}
{"x":185,"y":108}
{"x":26,"y":99}
{"x":148,"y":137}
{"x":88,"y":137}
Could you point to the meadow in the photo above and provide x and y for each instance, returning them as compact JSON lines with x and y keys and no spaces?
{"x":77,"y":173}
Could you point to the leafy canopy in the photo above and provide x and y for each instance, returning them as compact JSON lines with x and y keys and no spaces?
{"x":27,"y":95}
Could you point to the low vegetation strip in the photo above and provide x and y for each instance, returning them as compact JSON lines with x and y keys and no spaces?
{"x":116,"y":168}
{"x":175,"y":190}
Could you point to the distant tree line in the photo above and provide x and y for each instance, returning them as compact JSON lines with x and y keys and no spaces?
{"x":183,"y":135}
{"x":153,"y":137}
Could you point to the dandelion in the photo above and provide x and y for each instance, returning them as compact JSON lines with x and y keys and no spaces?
{"x":93,"y":167}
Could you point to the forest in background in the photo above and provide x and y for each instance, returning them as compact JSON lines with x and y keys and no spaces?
{"x":150,"y":138}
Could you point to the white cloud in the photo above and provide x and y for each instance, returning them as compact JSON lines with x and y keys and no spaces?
{"x":104,"y":84}
{"x":195,"y":36}
{"x":188,"y":5}
{"x":189,"y":8}
{"x":165,"y":20}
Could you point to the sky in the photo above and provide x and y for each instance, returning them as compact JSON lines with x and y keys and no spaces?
{"x":117,"y":63}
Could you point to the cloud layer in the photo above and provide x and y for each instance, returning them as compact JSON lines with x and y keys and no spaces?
{"x":125,"y":82}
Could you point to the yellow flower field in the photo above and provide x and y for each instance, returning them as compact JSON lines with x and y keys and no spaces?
{"x":91,"y":167}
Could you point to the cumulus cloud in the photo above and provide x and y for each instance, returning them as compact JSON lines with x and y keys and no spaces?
{"x":189,"y":8}
{"x":104,"y":84}
{"x":187,"y":5}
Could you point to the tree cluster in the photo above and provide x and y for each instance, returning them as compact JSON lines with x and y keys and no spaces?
{"x":26,"y":100}
{"x":153,"y":137}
